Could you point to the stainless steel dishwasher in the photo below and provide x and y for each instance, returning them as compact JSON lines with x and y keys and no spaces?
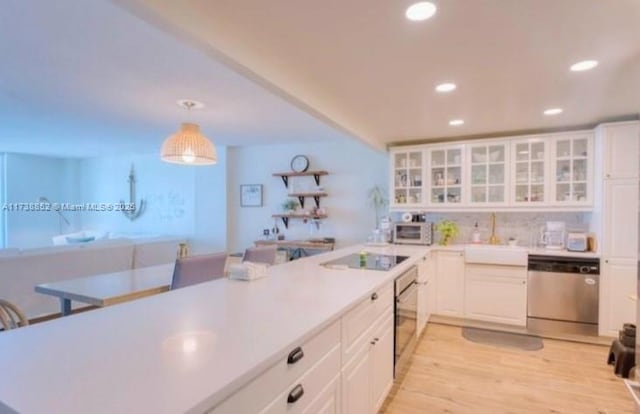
{"x":562,"y":294}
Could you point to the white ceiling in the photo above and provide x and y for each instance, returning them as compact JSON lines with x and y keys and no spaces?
{"x":84,"y":78}
{"x":362,"y":65}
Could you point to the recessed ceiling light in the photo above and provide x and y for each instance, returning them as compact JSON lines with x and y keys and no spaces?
{"x":446,"y":87}
{"x":420,"y":11}
{"x":456,"y":122}
{"x":553,"y":111}
{"x":584,"y":65}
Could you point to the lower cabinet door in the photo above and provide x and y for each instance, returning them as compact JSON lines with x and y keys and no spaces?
{"x":450,"y":283}
{"x":382,"y":364}
{"x":618,"y":285}
{"x":496,"y":294}
{"x":356,"y":383}
{"x":423,"y":307}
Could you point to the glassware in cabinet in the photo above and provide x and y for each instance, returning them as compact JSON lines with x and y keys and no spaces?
{"x":528,"y":166}
{"x":488,"y":173}
{"x":573,"y":156}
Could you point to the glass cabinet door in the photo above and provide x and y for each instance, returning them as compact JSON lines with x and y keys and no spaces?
{"x":445,"y":175}
{"x":528,"y":169}
{"x":488,"y":174}
{"x":408,"y":177}
{"x":572,"y":167}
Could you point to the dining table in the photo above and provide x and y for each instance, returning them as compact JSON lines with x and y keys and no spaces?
{"x":110,"y":288}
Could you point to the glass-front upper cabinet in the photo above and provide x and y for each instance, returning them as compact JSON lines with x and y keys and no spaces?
{"x":488,"y":173}
{"x":528,"y":168}
{"x":572,"y":168}
{"x":446,"y":175}
{"x":408,"y":176}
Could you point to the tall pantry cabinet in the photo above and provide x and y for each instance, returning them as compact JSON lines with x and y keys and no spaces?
{"x":619,"y":146}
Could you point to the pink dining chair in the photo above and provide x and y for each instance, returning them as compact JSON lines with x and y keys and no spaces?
{"x":198,"y":269}
{"x":262,"y":254}
{"x":11,"y":316}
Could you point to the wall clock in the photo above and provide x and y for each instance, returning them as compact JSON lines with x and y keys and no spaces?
{"x":299,"y":163}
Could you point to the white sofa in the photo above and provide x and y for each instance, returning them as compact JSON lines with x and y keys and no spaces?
{"x":21,"y":271}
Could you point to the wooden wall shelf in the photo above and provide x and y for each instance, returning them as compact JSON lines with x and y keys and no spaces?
{"x":285,"y":176}
{"x":285,"y":217}
{"x":316,"y":197}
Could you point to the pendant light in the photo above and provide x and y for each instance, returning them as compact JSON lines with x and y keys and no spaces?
{"x":188,"y":146}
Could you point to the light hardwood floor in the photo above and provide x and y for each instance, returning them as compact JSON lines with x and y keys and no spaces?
{"x":449,"y":374}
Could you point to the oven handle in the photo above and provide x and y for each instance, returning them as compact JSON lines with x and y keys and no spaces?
{"x":407,"y":292}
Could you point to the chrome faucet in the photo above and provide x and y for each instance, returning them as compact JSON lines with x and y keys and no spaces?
{"x":493,"y":239}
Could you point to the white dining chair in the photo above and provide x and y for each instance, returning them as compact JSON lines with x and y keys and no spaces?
{"x":262,"y":254}
{"x":198,"y":269}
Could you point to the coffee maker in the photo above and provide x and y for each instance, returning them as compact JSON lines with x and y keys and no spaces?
{"x":553,"y":235}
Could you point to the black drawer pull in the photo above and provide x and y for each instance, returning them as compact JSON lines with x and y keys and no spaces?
{"x":295,"y":355}
{"x":374,"y":296}
{"x":296,"y":393}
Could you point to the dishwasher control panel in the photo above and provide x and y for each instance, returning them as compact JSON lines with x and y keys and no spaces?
{"x":561,"y":264}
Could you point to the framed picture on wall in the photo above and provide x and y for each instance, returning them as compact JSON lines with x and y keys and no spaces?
{"x":250,"y":195}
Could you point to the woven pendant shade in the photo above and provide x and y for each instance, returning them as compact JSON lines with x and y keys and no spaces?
{"x":188,"y":146}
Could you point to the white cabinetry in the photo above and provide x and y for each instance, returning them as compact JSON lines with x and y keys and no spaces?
{"x":307,"y":369}
{"x":450,"y":283}
{"x":550,"y":171}
{"x":529,"y":171}
{"x":488,"y":173}
{"x":446,"y":179}
{"x":368,"y":376}
{"x":620,"y":219}
{"x":356,"y":383}
{"x":328,"y":402}
{"x":496,"y":293}
{"x":407,"y":181}
{"x":367,"y":373}
{"x":426,"y":291}
{"x":618,"y":283}
{"x":382,"y":362}
{"x":572,"y":169}
{"x":620,"y":146}
{"x":346,"y":368}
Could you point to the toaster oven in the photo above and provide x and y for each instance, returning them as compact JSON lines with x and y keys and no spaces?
{"x":413,"y":233}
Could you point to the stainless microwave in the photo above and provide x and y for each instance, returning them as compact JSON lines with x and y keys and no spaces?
{"x":413,"y":233}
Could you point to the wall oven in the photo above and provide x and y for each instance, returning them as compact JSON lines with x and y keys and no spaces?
{"x":413,"y":233}
{"x":406,"y":315}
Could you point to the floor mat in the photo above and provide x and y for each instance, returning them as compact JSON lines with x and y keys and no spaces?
{"x":504,"y":339}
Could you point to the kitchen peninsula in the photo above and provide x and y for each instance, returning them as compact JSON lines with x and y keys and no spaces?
{"x":190,"y":349}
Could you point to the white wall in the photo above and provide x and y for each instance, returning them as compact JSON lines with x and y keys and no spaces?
{"x":184,"y":201}
{"x":353,"y":169}
{"x":29,"y":177}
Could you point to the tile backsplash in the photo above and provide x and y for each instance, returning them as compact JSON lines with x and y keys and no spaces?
{"x":523,"y":226}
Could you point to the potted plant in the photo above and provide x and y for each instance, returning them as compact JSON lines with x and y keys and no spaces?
{"x":448,"y":231}
{"x":290,"y":205}
{"x":378,"y":201}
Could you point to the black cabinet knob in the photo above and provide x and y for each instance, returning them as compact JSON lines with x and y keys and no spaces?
{"x":296,"y":393}
{"x":374,"y":296}
{"x":295,"y":355}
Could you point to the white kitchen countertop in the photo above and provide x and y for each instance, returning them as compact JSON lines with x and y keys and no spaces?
{"x":184,"y":350}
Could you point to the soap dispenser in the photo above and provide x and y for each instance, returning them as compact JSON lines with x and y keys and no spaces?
{"x":475,"y":236}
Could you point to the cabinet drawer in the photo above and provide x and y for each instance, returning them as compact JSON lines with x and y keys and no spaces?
{"x":356,"y":322}
{"x":308,"y":388}
{"x":262,"y":390}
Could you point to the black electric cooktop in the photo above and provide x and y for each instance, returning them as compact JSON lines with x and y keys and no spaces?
{"x":372,"y":262}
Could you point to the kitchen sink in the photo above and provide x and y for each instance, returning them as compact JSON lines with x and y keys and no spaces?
{"x":496,"y":255}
